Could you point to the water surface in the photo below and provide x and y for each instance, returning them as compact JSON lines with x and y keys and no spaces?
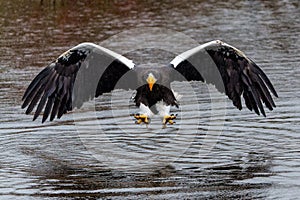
{"x":213,"y":151}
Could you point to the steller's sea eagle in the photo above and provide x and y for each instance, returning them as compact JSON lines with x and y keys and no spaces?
{"x":88,"y":70}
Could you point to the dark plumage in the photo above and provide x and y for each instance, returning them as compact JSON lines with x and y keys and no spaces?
{"x":158,"y":93}
{"x":88,"y":70}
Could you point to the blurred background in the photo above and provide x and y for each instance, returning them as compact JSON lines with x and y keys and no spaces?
{"x":252,"y":157}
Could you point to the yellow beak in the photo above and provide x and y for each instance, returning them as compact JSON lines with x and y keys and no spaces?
{"x":151,"y":80}
{"x":151,"y":86}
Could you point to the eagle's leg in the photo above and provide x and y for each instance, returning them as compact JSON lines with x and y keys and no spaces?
{"x":164,"y":112}
{"x":144,"y":114}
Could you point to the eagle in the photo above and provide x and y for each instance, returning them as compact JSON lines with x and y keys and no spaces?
{"x":89,"y":70}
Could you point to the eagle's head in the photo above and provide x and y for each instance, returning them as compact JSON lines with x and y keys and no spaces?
{"x":151,"y":80}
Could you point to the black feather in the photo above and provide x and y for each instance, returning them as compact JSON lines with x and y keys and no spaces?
{"x":40,"y":80}
{"x":257,"y":70}
{"x":158,"y":93}
{"x":35,"y":82}
{"x":40,"y":106}
{"x":55,"y":108}
{"x":47,"y":109}
{"x":264,"y":91}
{"x":34,"y":101}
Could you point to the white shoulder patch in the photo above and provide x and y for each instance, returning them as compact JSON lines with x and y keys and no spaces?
{"x":121,"y":58}
{"x":185,"y":55}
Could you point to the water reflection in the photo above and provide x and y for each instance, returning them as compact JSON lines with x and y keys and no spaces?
{"x":67,"y":178}
{"x":254,"y":157}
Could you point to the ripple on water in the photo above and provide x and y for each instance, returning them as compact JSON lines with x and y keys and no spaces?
{"x":205,"y":155}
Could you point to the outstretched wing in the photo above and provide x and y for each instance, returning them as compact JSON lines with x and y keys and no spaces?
{"x":78,"y":75}
{"x":231,"y":71}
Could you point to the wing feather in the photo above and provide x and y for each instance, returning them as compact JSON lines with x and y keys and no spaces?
{"x":48,"y":108}
{"x":231,"y":71}
{"x":73,"y":78}
{"x":35,"y":83}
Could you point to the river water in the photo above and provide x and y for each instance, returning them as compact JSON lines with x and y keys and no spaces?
{"x":214,"y":151}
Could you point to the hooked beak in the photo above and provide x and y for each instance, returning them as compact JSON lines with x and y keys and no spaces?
{"x":151,"y":80}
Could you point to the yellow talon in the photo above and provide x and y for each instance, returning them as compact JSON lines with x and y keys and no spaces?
{"x":169,"y":119}
{"x":141,"y":118}
{"x":138,"y":121}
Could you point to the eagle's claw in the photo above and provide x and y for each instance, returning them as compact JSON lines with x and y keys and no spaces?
{"x":169,"y":119}
{"x":141,"y":118}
